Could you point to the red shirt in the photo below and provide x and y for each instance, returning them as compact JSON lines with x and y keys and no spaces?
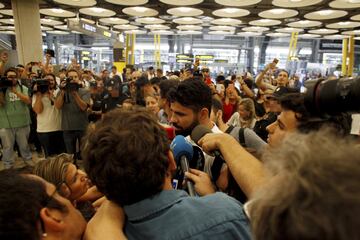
{"x":228,"y":110}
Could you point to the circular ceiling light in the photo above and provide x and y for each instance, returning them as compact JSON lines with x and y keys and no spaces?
{"x":222,"y":28}
{"x":237,"y":3}
{"x":356,"y":17}
{"x":307,"y":35}
{"x":255,"y":29}
{"x":135,"y":31}
{"x":57,"y":12}
{"x":7,"y":21}
{"x":140,"y":11}
{"x":62,"y":27}
{"x":156,"y":27}
{"x":189,"y":27}
{"x":357,"y":38}
{"x":97,"y":12}
{"x":354,"y":32}
{"x":185,"y":11}
{"x":220,"y":33}
{"x":187,"y":20}
{"x":7,"y":32}
{"x":344,"y":4}
{"x":289,"y":30}
{"x":305,"y":24}
{"x":265,"y":22}
{"x":7,"y":12}
{"x":189,"y":32}
{"x":345,"y":24}
{"x":278,"y":13}
{"x":127,"y":2}
{"x":277,"y":34}
{"x":182,"y":2}
{"x":295,"y":3}
{"x":336,"y":36}
{"x":82,"y":19}
{"x":150,"y":20}
{"x":126,"y":27}
{"x":44,"y":28}
{"x":51,"y":22}
{"x":58,"y":32}
{"x":2,"y":5}
{"x":323,"y":31}
{"x":231,"y":12}
{"x":226,"y":21}
{"x":162,"y":32}
{"x":113,"y":20}
{"x":76,"y":32}
{"x":77,"y":3}
{"x":7,"y":28}
{"x":249,"y":34}
{"x":325,"y":14}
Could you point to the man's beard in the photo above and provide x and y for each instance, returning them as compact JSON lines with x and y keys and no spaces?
{"x":185,"y":132}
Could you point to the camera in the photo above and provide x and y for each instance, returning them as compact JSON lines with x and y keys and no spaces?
{"x":5,"y":83}
{"x":325,"y":97}
{"x":70,"y":86}
{"x":42,"y":85}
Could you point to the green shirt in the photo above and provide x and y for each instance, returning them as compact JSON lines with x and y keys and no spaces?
{"x":15,"y":113}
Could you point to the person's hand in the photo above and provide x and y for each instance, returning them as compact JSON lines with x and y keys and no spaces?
{"x":4,"y":57}
{"x":97,"y":204}
{"x":62,"y":84}
{"x":271,"y":65}
{"x":202,"y":182}
{"x":240,"y":79}
{"x":48,"y":57}
{"x":212,"y":141}
{"x":107,"y":223}
{"x":13,"y":90}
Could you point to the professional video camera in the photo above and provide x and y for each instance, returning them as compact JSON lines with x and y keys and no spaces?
{"x":325,"y":97}
{"x":42,"y":85}
{"x":5,"y":83}
{"x":70,"y":86}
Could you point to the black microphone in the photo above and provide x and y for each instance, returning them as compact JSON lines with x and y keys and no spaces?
{"x":197,"y":133}
{"x":183,"y":151}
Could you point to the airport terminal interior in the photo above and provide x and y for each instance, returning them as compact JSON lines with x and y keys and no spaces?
{"x":179,"y":119}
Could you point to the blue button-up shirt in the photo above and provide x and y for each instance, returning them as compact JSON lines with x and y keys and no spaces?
{"x":172,"y":214}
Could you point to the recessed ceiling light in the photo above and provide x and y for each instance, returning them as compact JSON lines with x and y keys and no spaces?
{"x":344,"y":23}
{"x":325,"y":12}
{"x":277,"y":11}
{"x":97,"y":10}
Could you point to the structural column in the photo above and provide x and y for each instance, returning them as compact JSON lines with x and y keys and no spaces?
{"x":28,"y":31}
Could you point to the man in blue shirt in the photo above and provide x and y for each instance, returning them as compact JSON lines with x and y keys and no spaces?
{"x":127,"y":157}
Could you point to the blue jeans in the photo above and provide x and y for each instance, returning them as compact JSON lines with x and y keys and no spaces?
{"x":8,"y":137}
{"x":70,"y":138}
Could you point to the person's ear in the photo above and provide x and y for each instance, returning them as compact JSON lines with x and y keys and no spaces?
{"x":52,"y":219}
{"x":203,"y":114}
{"x":172,"y":162}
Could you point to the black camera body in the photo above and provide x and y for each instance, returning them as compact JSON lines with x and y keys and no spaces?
{"x":42,"y":86}
{"x":5,"y":83}
{"x":70,"y":86}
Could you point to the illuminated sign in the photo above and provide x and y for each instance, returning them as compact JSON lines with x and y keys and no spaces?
{"x":90,"y":29}
{"x":221,"y":61}
{"x":184,"y":56}
{"x":205,"y":57}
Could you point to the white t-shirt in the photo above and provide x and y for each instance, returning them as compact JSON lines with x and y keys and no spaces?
{"x":355,"y":125}
{"x":49,"y":120}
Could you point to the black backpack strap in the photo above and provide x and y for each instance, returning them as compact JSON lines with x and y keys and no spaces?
{"x":216,"y":168}
{"x":242,"y":137}
{"x":229,"y":129}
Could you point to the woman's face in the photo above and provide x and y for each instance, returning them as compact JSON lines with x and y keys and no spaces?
{"x":152,"y":104}
{"x":77,"y":182}
{"x":244,"y":114}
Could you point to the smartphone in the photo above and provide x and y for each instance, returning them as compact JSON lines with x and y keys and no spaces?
{"x":220,"y":88}
{"x":275,"y":60}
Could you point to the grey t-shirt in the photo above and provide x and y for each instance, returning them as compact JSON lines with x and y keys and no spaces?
{"x":252,"y":140}
{"x":72,"y":116}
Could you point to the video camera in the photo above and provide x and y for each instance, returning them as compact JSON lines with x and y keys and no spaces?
{"x":70,"y":86}
{"x":42,"y":85}
{"x":5,"y":83}
{"x":325,"y":97}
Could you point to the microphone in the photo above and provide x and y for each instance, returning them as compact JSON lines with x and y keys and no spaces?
{"x":197,"y":133}
{"x":183,"y":151}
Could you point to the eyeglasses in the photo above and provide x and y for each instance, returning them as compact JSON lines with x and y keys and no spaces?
{"x":59,"y":190}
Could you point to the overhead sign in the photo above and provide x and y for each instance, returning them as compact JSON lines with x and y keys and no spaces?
{"x":334,"y":45}
{"x":221,"y":61}
{"x":205,"y":57}
{"x":90,"y":29}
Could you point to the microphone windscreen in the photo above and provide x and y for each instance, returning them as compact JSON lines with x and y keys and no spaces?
{"x":198,"y":132}
{"x":181,"y":147}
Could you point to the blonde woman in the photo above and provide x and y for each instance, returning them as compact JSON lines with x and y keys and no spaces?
{"x":245,"y":117}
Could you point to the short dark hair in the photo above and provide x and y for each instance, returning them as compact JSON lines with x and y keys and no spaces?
{"x":21,"y":199}
{"x":126,"y":155}
{"x":220,"y":78}
{"x":282,"y":70}
{"x":216,"y":105}
{"x":165,"y":87}
{"x":177,"y":73}
{"x":113,"y":67}
{"x":72,"y":70}
{"x":192,"y":93}
{"x":155,"y":81}
{"x":11,"y":70}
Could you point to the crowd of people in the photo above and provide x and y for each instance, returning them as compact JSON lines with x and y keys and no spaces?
{"x":266,"y":168}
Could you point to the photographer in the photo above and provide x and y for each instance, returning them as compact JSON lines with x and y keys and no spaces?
{"x":48,"y":117}
{"x":74,"y":102}
{"x":99,"y":101}
{"x":14,"y":118}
